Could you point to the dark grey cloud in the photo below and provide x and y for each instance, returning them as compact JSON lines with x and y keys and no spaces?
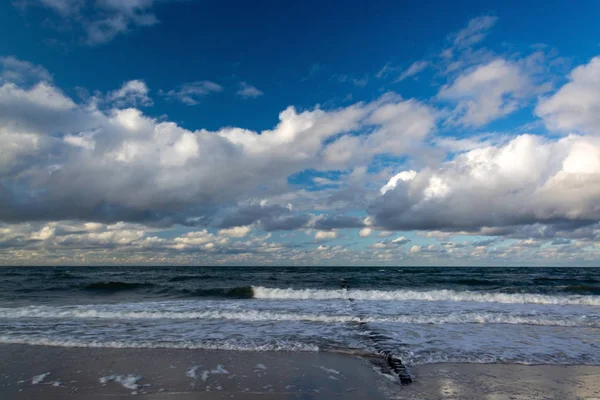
{"x":485,"y":242}
{"x":285,"y":223}
{"x":560,"y":241}
{"x":338,"y":222}
{"x":247,"y":215}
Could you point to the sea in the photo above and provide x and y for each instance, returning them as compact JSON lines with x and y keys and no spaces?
{"x":423,"y":315}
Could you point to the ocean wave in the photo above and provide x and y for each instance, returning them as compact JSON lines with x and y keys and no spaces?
{"x":560,"y":280}
{"x":240,"y":292}
{"x":583,"y":289}
{"x":47,"y":312}
{"x":237,"y":292}
{"x":475,"y":282}
{"x":430,"y":295}
{"x":115,"y":286}
{"x":225,"y":345}
{"x":184,"y":278}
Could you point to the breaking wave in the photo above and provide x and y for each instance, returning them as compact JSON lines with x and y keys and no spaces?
{"x":431,"y":295}
{"x":241,"y":292}
{"x":258,"y":315}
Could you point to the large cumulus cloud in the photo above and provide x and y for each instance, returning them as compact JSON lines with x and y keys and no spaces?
{"x":528,"y":180}
{"x":529,"y":186}
{"x":65,"y":160}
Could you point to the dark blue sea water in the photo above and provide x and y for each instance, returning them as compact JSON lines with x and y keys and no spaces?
{"x":524,"y":315}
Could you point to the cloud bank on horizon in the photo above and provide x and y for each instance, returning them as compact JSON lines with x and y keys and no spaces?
{"x":499,"y":165}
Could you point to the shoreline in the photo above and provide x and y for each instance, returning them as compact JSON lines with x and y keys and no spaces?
{"x":49,"y":372}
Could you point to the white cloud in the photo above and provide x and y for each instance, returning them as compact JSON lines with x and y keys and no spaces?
{"x":386,"y":70}
{"x":77,"y":156}
{"x":84,"y":141}
{"x":105,"y":160}
{"x":360,"y":82}
{"x":17,"y":147}
{"x":74,"y":242}
{"x":132,"y":93}
{"x":576,"y":105}
{"x":453,"y":144}
{"x":236,"y":231}
{"x":248,"y":91}
{"x":390,"y":244}
{"x":42,"y":96}
{"x":487,"y":92}
{"x":474,"y":32}
{"x":403,"y":176}
{"x":102,"y":20}
{"x":400,"y":240}
{"x":529,"y":179}
{"x":325,"y":181}
{"x":191,"y":93}
{"x":18,"y":71}
{"x":413,"y":70}
{"x":365,"y":232}
{"x":464,"y":50}
{"x":197,"y":240}
{"x":325,"y":235}
{"x":65,"y":8}
{"x":400,"y":126}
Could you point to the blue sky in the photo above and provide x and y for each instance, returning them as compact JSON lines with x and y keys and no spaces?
{"x":406,"y":133}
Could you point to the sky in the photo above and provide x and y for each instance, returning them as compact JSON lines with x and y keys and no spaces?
{"x":183,"y":132}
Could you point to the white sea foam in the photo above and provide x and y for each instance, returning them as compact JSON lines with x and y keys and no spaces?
{"x":442,"y":358}
{"x":430,"y":295}
{"x":275,"y":346}
{"x":191,"y":373}
{"x":127,"y":381}
{"x":219,"y":370}
{"x":39,"y":378}
{"x":331,"y":371}
{"x":265,"y":315}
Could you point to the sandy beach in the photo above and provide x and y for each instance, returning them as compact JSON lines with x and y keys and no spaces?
{"x":42,"y":372}
{"x":503,"y":382}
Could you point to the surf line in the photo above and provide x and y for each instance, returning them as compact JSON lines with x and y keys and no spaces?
{"x":393,"y":361}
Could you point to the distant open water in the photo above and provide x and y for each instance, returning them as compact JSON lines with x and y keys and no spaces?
{"x":481,"y":315}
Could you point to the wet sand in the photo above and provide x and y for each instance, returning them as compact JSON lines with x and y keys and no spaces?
{"x":90,"y":373}
{"x":41,"y":372}
{"x":504,"y":382}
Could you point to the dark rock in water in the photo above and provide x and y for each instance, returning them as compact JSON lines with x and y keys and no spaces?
{"x":396,"y":364}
